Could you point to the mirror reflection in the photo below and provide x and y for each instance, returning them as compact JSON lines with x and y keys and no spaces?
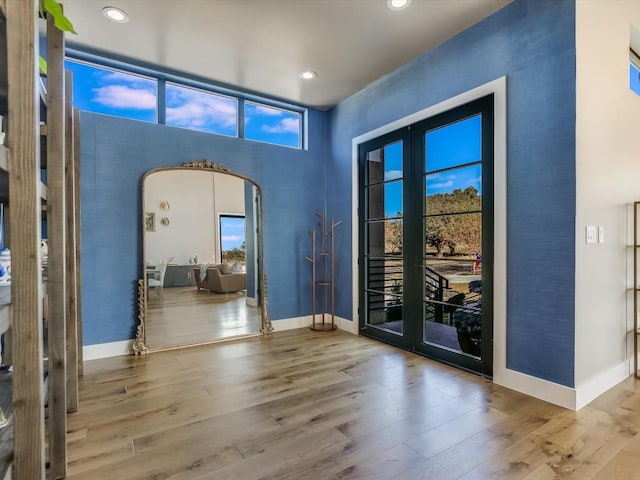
{"x":201,"y":257}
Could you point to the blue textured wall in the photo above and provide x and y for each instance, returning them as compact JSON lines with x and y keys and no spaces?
{"x":532,"y":42}
{"x":116,"y":152}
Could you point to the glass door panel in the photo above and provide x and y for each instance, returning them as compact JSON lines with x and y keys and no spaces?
{"x":453,"y":236}
{"x":384,"y":294}
{"x":385,"y":200}
{"x":383,"y":238}
{"x":452,"y":144}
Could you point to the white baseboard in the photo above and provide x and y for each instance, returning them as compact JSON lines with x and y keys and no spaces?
{"x":567,"y":397}
{"x":252,"y":302}
{"x":106,"y":350}
{"x":536,"y":387}
{"x":596,"y":386}
{"x":305,"y":322}
{"x":291,"y":323}
{"x":347,"y":325}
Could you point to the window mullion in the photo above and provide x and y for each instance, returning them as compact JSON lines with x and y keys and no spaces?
{"x":162,"y":101}
{"x":240,"y":117}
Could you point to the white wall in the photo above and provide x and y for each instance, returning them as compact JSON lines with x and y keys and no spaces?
{"x":607,"y":181}
{"x":191,"y":216}
{"x":193,"y":213}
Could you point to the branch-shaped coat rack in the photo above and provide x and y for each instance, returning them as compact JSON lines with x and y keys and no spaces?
{"x":323,"y":274}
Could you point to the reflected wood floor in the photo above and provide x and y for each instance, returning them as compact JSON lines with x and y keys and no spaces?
{"x":328,"y":406}
{"x":188,"y":316}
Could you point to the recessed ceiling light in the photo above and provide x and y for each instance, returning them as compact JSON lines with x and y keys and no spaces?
{"x":307,"y":74}
{"x":398,"y":4}
{"x":115,"y":14}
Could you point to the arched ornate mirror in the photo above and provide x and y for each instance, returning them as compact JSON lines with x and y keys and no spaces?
{"x":204,"y":279}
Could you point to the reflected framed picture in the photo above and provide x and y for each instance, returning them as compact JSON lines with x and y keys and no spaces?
{"x":149,"y":222}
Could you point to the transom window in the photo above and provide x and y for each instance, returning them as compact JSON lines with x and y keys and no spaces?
{"x":271,"y":125}
{"x":180,"y":103}
{"x":634,"y":72}
{"x":114,"y":92}
{"x":199,"y":110}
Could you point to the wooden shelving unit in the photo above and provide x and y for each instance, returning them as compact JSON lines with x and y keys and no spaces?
{"x":636,"y":285}
{"x":30,"y":147}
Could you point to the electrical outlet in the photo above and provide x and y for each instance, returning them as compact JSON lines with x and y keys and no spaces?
{"x":592,"y":234}
{"x":600,"y":234}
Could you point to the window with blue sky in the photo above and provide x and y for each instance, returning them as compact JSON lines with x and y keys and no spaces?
{"x":634,"y":78}
{"x":199,"y":110}
{"x":101,"y":89}
{"x":449,"y":151}
{"x":393,"y":174}
{"x":232,"y":239}
{"x":271,"y":125}
{"x":231,"y":232}
{"x":113,"y":92}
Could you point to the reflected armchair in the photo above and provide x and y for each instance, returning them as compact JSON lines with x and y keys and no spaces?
{"x":157,"y":280}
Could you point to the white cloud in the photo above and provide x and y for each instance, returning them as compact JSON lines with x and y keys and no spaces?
{"x":268,"y":111}
{"x":122,"y":96}
{"x":232,"y":238}
{"x":445,"y":184}
{"x":234,"y":225}
{"x":191,"y":108}
{"x":125,"y":78}
{"x":286,"y":125}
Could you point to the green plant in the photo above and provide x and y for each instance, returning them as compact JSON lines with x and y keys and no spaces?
{"x":52,"y":7}
{"x":61,"y":22}
{"x":468,"y":324}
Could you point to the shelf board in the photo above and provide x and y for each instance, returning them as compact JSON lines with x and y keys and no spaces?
{"x":323,"y":282}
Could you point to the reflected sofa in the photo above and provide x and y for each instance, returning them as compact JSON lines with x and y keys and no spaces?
{"x":220,"y":279}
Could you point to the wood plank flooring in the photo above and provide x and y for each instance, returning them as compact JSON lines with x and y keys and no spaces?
{"x":186,"y":316}
{"x":333,"y":406}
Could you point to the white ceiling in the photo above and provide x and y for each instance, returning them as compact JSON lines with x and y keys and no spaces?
{"x":262,"y":45}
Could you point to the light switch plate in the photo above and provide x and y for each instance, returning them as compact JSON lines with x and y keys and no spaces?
{"x":600,"y":234}
{"x":592,"y":234}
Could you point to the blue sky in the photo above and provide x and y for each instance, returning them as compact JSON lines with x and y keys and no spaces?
{"x":122,"y":94}
{"x":113,"y":93}
{"x":231,"y":232}
{"x":634,"y":78}
{"x":455,"y":144}
{"x":198,"y":110}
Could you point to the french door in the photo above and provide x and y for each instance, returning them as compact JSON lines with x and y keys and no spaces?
{"x":426,"y":236}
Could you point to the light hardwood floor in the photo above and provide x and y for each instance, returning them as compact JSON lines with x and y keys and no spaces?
{"x":328,"y":406}
{"x":186,"y":316}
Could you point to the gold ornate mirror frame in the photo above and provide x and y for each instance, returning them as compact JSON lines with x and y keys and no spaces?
{"x":140,"y":345}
